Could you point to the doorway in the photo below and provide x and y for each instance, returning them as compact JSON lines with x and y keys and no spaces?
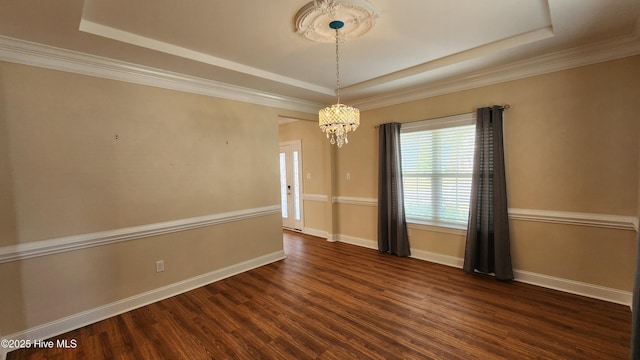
{"x":291,"y":184}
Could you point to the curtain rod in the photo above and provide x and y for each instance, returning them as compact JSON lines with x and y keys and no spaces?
{"x":503,"y":107}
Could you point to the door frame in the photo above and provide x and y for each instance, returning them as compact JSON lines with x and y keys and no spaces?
{"x":295,"y":145}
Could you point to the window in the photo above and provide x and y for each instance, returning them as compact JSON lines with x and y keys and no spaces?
{"x":437,"y":164}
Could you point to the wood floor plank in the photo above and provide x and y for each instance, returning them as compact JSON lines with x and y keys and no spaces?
{"x":338,"y":301}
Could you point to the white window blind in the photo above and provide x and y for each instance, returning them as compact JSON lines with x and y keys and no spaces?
{"x":437,"y":164}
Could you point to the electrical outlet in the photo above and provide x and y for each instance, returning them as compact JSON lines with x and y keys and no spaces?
{"x":159,"y":266}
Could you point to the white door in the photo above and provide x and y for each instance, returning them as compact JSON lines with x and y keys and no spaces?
{"x":291,"y":184}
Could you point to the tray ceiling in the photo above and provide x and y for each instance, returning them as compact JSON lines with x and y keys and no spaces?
{"x":254,"y":45}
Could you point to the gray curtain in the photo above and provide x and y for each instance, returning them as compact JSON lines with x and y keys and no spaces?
{"x":635,"y":309}
{"x":488,"y":248}
{"x":392,"y":224}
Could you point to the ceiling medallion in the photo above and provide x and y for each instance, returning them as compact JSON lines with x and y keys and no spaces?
{"x":358,"y":17}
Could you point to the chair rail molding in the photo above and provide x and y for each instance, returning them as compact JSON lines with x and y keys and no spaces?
{"x":609,"y":221}
{"x":575,"y":218}
{"x":315,"y":197}
{"x":355,"y":200}
{"x":82,"y":241}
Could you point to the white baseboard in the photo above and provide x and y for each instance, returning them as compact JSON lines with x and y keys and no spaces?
{"x":370,"y":244}
{"x":437,"y":258}
{"x":575,"y":287}
{"x":91,"y":316}
{"x":75,"y":321}
{"x":315,"y":232}
{"x":546,"y":281}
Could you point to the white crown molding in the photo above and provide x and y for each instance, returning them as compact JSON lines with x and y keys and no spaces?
{"x":575,"y":218}
{"x":561,"y":60}
{"x":145,"y":42}
{"x":453,"y":59}
{"x":76,"y":242}
{"x":91,"y":316}
{"x":29,"y":53}
{"x":315,"y":197}
{"x":33,"y":54}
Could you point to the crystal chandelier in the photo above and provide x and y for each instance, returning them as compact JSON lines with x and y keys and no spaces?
{"x":338,"y":119}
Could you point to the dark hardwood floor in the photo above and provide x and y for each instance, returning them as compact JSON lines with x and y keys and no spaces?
{"x":338,"y":301}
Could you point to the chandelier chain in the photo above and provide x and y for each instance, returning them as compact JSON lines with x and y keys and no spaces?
{"x":337,"y":67}
{"x":338,"y":120}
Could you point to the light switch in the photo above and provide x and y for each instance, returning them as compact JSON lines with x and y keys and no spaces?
{"x":308,"y":176}
{"x":348,"y":176}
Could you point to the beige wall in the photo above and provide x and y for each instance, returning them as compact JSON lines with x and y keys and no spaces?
{"x":89,"y":154}
{"x":7,"y":201}
{"x":571,"y":141}
{"x":80,"y":155}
